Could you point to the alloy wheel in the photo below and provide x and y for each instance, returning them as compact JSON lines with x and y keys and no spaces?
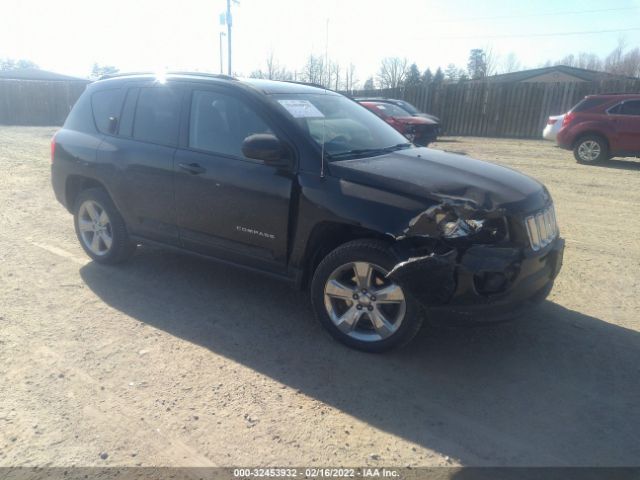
{"x":95,"y":227}
{"x":589,"y":150}
{"x":363,"y":303}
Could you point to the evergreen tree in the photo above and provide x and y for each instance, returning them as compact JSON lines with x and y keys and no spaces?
{"x":427,"y":77}
{"x":439,"y":76}
{"x":413,"y":76}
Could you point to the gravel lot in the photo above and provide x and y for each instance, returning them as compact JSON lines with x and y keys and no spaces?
{"x":172,"y":360}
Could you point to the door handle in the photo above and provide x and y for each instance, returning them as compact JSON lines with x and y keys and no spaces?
{"x":192,"y":168}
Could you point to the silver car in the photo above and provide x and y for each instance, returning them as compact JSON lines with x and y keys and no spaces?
{"x":553,"y":127}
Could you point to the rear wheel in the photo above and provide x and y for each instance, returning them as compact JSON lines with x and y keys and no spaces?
{"x":100,"y":227}
{"x":357,"y":304}
{"x":591,"y":150}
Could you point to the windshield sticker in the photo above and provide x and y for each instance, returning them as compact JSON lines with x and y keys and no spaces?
{"x":301,"y":108}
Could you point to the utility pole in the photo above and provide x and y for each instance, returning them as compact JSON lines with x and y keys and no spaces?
{"x":222,"y":34}
{"x":229,"y":22}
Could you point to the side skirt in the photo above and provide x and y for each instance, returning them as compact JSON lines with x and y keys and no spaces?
{"x":292,"y":276}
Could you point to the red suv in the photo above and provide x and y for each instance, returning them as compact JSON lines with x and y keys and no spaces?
{"x":601,"y":127}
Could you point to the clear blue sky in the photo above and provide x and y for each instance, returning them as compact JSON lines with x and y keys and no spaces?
{"x":69,"y":35}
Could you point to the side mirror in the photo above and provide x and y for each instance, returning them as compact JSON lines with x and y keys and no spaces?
{"x":268,"y":148}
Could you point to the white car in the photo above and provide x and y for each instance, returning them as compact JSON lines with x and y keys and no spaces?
{"x":553,"y":127}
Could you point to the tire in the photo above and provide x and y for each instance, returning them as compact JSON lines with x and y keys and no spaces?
{"x":395,"y":317}
{"x":590,"y":150}
{"x":100,"y":228}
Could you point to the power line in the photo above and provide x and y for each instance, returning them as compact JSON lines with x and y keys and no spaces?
{"x":547,"y":14}
{"x":556,"y":34}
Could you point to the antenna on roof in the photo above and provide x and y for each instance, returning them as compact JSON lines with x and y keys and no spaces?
{"x":324,"y":118}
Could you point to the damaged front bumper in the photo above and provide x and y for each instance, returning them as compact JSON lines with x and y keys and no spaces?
{"x":481,"y":283}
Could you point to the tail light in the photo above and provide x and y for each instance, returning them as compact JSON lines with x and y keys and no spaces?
{"x":567,"y":119}
{"x":53,"y":147}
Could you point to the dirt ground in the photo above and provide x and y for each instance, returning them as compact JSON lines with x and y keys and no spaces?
{"x":172,"y":360}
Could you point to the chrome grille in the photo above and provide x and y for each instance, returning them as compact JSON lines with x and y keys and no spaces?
{"x":542,"y":228}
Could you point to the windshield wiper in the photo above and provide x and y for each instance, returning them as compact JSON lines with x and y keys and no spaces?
{"x":370,"y":151}
{"x":398,"y":146}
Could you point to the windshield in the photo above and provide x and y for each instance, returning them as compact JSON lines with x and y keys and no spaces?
{"x":408,"y":107}
{"x":390,"y":110}
{"x":348,"y":129}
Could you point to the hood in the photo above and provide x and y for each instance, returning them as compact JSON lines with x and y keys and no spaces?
{"x":439,"y":177}
{"x":426,"y":115}
{"x":414,"y":120}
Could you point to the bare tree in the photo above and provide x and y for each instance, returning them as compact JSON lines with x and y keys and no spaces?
{"x":273,"y":70}
{"x":568,"y":60}
{"x":590,"y":61}
{"x":511,"y":63}
{"x":631,"y":63}
{"x":492,"y":60}
{"x":392,"y":72}
{"x":613,"y":62}
{"x":272,"y":66}
{"x":587,"y":60}
{"x":314,"y":70}
{"x":350,"y":80}
{"x":334,"y":72}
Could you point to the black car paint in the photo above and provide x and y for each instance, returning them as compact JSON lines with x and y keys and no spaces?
{"x":276,"y":219}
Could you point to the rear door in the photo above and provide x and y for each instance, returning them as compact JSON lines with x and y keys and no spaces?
{"x":142,"y":152}
{"x":228,"y":205}
{"x":627,"y":122}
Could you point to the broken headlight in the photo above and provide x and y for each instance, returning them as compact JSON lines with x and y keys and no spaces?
{"x":461,"y":228}
{"x":479,"y":231}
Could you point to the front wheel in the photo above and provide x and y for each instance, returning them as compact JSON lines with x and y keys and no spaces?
{"x":358,"y":304}
{"x":591,"y":150}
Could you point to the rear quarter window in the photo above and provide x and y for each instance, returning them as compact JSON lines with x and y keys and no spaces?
{"x":106,"y":106}
{"x":588,"y":104}
{"x":80,"y":117}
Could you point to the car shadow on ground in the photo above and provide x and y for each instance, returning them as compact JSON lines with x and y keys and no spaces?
{"x":619,"y":164}
{"x":554,"y":388}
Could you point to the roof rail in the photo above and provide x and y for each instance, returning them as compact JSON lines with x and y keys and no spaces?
{"x":611,"y":93}
{"x":195,"y":74}
{"x":205,"y":74}
{"x":122,"y":74}
{"x":311,"y":84}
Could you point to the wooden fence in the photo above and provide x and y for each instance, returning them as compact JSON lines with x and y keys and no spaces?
{"x":495,"y":109}
{"x":34,"y":102}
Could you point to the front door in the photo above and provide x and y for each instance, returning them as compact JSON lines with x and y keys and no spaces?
{"x":627,"y":122}
{"x":226,"y":204}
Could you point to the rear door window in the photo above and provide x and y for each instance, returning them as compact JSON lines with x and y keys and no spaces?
{"x":157,"y":116}
{"x":631,"y":107}
{"x":106,"y":106}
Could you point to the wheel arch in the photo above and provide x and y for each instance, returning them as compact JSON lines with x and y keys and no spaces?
{"x":326,"y":237}
{"x":591,"y":133}
{"x":76,"y":184}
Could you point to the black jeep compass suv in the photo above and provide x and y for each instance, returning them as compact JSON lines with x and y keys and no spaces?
{"x":307,"y":185}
